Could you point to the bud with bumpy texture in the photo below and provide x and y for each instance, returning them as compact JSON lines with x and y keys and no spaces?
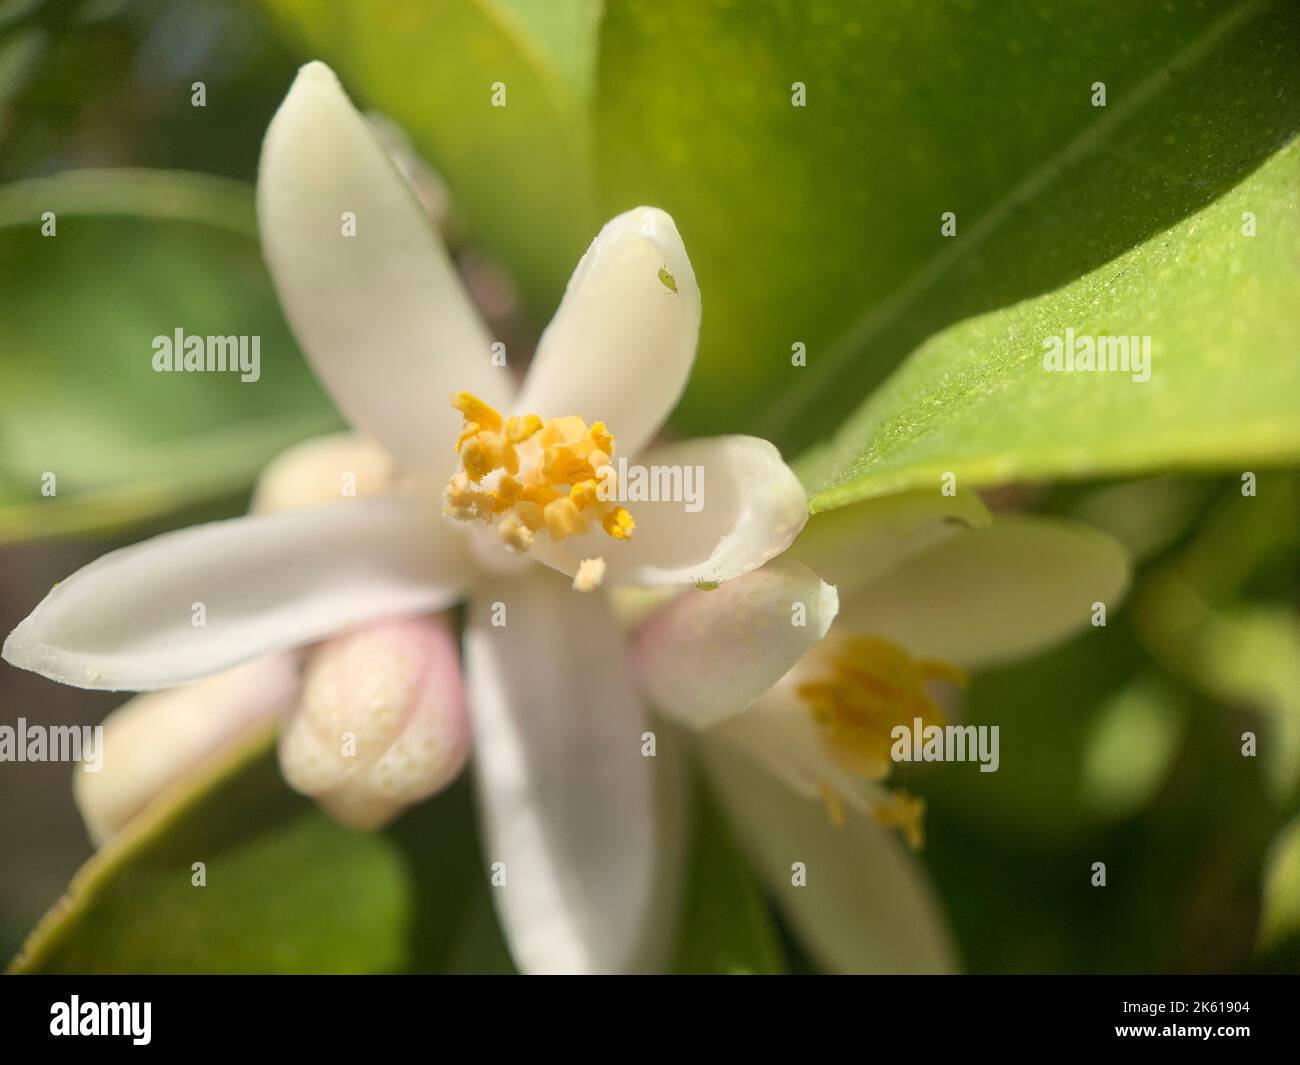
{"x":381,"y":722}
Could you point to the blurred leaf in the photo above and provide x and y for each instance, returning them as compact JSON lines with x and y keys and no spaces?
{"x":566,"y":30}
{"x":977,"y":401}
{"x":1045,"y":709}
{"x":725,"y":926}
{"x":821,"y":224}
{"x":1280,"y":914}
{"x":521,"y":173}
{"x":1147,"y":516}
{"x":1220,"y":616}
{"x":288,"y":889}
{"x":1251,"y":655}
{"x":137,"y":254}
{"x":1131,"y":747}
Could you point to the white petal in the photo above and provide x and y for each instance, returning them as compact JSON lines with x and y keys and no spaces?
{"x":620,"y":348}
{"x":865,"y":906}
{"x":566,"y":796}
{"x":126,"y":621}
{"x":850,"y":546}
{"x":381,"y":315}
{"x":994,"y":594}
{"x":751,"y":507}
{"x":708,"y":654}
{"x":156,"y":740}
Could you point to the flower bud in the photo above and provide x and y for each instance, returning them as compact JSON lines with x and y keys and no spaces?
{"x":323,"y":470}
{"x":156,"y":739}
{"x":381,"y":722}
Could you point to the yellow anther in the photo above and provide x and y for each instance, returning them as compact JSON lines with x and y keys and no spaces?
{"x":527,"y":476}
{"x":563,"y":519}
{"x":567,"y":430}
{"x":508,"y":493}
{"x":834,"y":805}
{"x":584,"y":493}
{"x":561,"y":466}
{"x":471,"y":430}
{"x":475,"y":410}
{"x":519,"y":429}
{"x":515,"y":533}
{"x":479,"y":458}
{"x":871,"y":686}
{"x":619,"y":524}
{"x":600,"y":436}
{"x":541,"y":494}
{"x":464,"y":502}
{"x":530,"y":514}
{"x":905,"y":813}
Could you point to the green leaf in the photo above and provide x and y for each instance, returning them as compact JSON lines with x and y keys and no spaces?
{"x":1279,"y":919}
{"x":288,"y":889}
{"x":136,"y":254}
{"x":726,"y":926}
{"x":822,"y":224}
{"x":521,"y":173}
{"x":977,"y":401}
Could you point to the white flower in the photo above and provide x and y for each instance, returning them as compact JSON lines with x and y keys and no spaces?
{"x":566,"y":795}
{"x":924,"y":587}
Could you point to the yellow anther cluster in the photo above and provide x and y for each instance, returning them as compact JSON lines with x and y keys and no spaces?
{"x":872,"y":686}
{"x":526,"y":475}
{"x":904,"y":812}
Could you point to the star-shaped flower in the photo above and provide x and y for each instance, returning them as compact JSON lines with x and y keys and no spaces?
{"x":497,"y":490}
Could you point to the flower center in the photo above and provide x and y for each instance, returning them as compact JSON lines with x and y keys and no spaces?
{"x":873,"y":685}
{"x":528,"y":477}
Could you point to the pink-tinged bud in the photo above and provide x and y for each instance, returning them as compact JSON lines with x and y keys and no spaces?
{"x":155,"y":740}
{"x":381,"y":722}
{"x":324,"y":469}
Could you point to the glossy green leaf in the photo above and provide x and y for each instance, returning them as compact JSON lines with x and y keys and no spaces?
{"x":1223,"y":388}
{"x":822,"y":225}
{"x":519,"y":172}
{"x":726,"y":926}
{"x":135,"y":255}
{"x":287,"y":888}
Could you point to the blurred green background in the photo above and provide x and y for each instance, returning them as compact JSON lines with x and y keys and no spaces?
{"x":818,"y":226}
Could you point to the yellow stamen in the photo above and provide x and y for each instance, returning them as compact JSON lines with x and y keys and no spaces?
{"x":601,"y":438}
{"x":529,"y":476}
{"x":475,"y":410}
{"x":562,"y":466}
{"x":520,"y":429}
{"x":905,"y":813}
{"x":872,"y":686}
{"x":619,"y":524}
{"x":834,"y":806}
{"x":563,"y":518}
